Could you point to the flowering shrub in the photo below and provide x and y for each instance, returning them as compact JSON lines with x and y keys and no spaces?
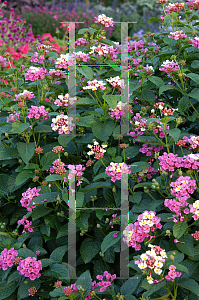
{"x":61,"y":168}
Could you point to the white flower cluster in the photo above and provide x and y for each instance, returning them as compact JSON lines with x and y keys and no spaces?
{"x":95,"y":85}
{"x":96,"y":148}
{"x":116,"y":82}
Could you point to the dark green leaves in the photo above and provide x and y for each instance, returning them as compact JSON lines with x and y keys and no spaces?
{"x":111,"y":100}
{"x":179,"y":229}
{"x":89,"y":249}
{"x":102,"y":131}
{"x":109,"y":241}
{"x":26,"y":151}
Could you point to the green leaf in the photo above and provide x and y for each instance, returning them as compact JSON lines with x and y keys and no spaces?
{"x":187,"y":247}
{"x":96,"y":185}
{"x":195,"y":64}
{"x":138,"y":166}
{"x":131,"y":152}
{"x":85,"y":101}
{"x":47,"y":160}
{"x":23,"y":177}
{"x":79,"y":199}
{"x":45,"y":229}
{"x":43,"y":128}
{"x":109,"y":241}
{"x":8,"y":153}
{"x":86,"y":281}
{"x":60,"y":272}
{"x":52,"y":54}
{"x":102,"y":131}
{"x":82,"y":221}
{"x":25,"y":252}
{"x":53,"y":177}
{"x":183,"y":104}
{"x":58,"y":254}
{"x":40,"y":211}
{"x":179,"y":229}
{"x":136,"y":198}
{"x":86,"y":71}
{"x":108,"y":42}
{"x":19,"y":127}
{"x":83,"y":30}
{"x":89,"y":249}
{"x":57,"y":292}
{"x":148,"y":96}
{"x":111,"y":100}
{"x":189,"y":284}
{"x":26,"y":151}
{"x":130,"y":286}
{"x":4,"y":184}
{"x":64,"y":139}
{"x":156,"y":80}
{"x":48,"y":196}
{"x":6,"y":289}
{"x":194,"y":77}
{"x":23,"y":288}
{"x":164,"y":88}
{"x":31,"y":166}
{"x":63,"y":231}
{"x":154,"y":288}
{"x":100,"y":176}
{"x":174,"y":133}
{"x":194,"y":94}
{"x":195,"y":254}
{"x":170,"y":42}
{"x":46,"y":262}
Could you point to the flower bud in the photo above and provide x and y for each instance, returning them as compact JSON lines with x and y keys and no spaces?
{"x":66,"y":154}
{"x":114,"y":189}
{"x":98,"y":226}
{"x":6,"y":135}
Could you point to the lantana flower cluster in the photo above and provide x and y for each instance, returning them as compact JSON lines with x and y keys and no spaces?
{"x":57,"y":73}
{"x":7,"y":258}
{"x":116,"y":82}
{"x":174,"y":7}
{"x":97,"y":150}
{"x":38,"y":112}
{"x":63,"y":100}
{"x":172,"y":274}
{"x":64,"y":61}
{"x":35,"y":73}
{"x":194,"y":209}
{"x":152,"y":261}
{"x":120,"y":110}
{"x":76,"y":171}
{"x":13,"y":117}
{"x":149,"y":150}
{"x":95,"y":85}
{"x":105,"y":283}
{"x":62,"y":124}
{"x":57,"y":168}
{"x":169,"y":67}
{"x":135,"y":233}
{"x":30,"y":267}
{"x":104,"y":20}
{"x":28,"y":196}
{"x":191,"y":142}
{"x":115,"y":170}
{"x":147,"y":173}
{"x":177,"y":35}
{"x":181,"y":189}
{"x":24,"y":96}
{"x":27,"y":224}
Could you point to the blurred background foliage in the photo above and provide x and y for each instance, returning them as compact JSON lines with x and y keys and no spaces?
{"x":46,"y":16}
